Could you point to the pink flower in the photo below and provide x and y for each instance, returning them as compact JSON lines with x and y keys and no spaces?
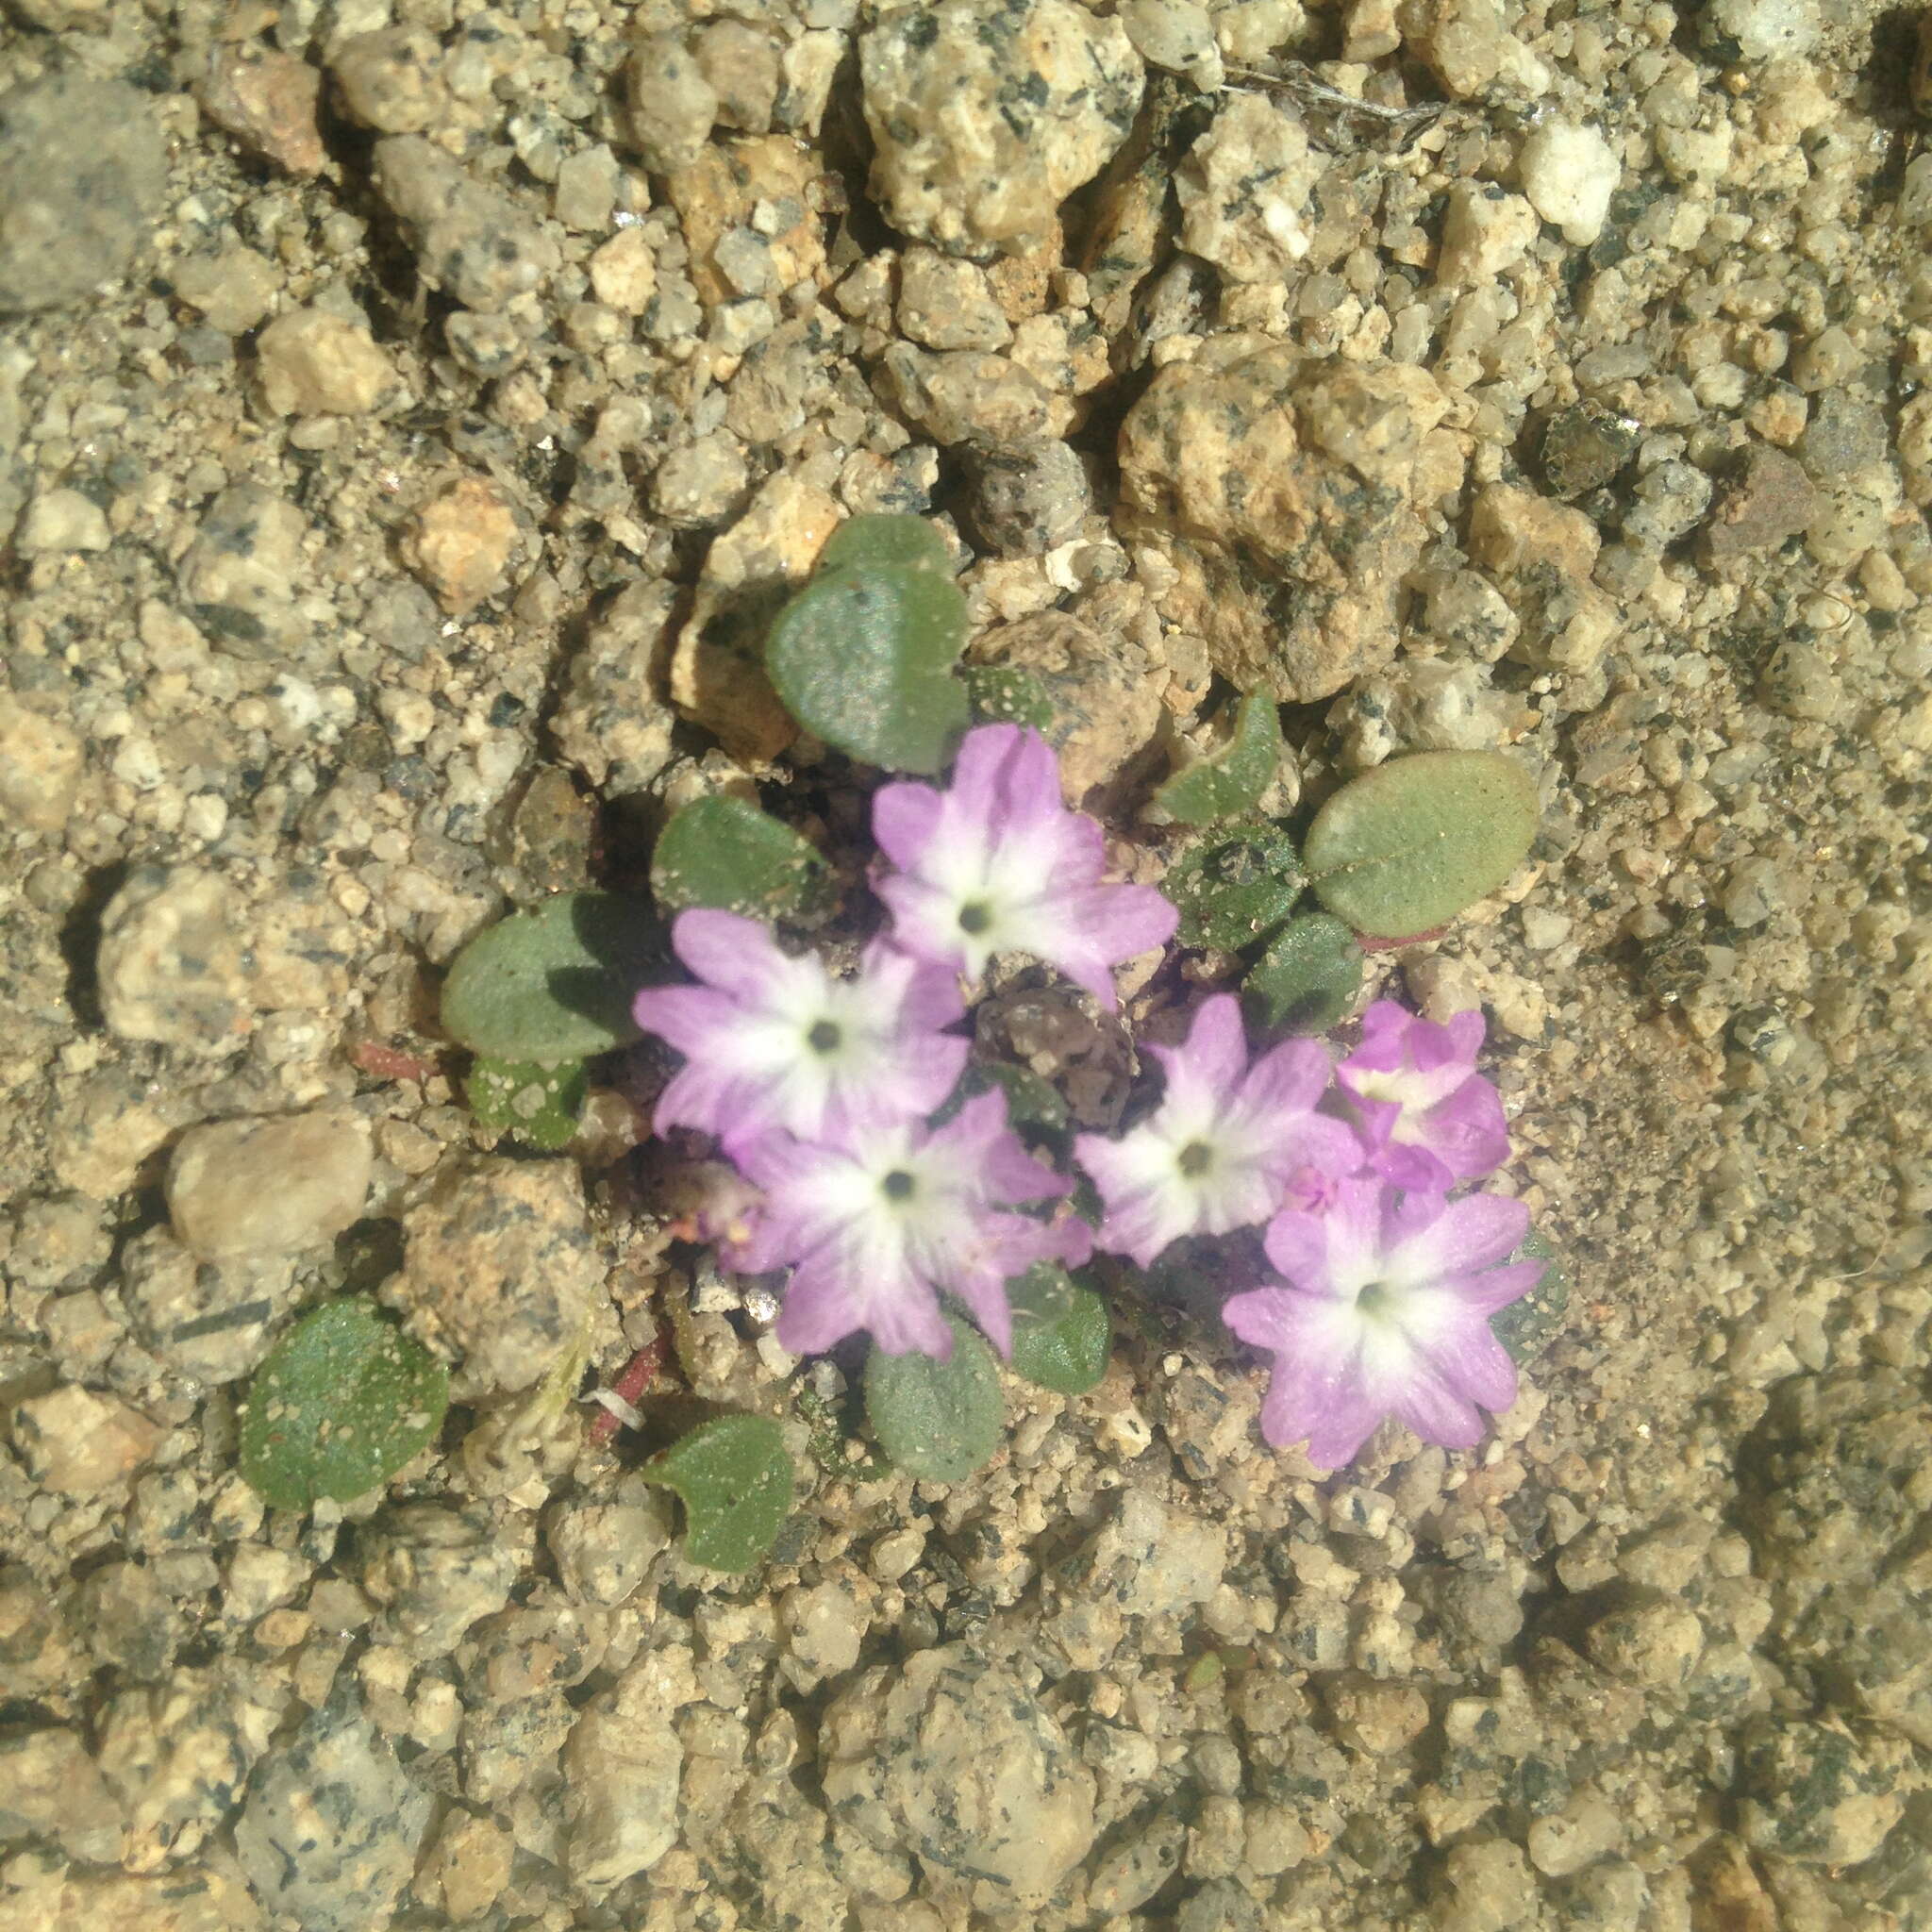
{"x":877,"y":1219}
{"x":998,"y":864}
{"x":1384,"y":1311}
{"x":774,"y":1042}
{"x":1227,"y":1143}
{"x":1427,"y":1119}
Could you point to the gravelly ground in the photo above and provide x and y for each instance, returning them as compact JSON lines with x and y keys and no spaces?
{"x":409,"y":411}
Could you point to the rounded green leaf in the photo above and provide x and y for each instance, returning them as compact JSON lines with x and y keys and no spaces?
{"x":726,"y":853}
{"x":1233,"y":780}
{"x":539,"y":1102}
{"x":938,"y":1420}
{"x":1007,"y":694}
{"x":886,"y":537}
{"x":863,"y":658}
{"x":734,"y":1481}
{"x":1410,"y":844}
{"x":556,"y":983}
{"x":1308,"y":979}
{"x":1069,"y":1353}
{"x":1235,"y":887}
{"x":338,"y":1405}
{"x":1525,"y":1327}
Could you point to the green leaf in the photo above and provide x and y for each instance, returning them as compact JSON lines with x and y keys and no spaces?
{"x":1307,"y":980}
{"x":886,"y":537}
{"x":340,"y":1404}
{"x":863,"y":658}
{"x":726,"y":853}
{"x":1007,"y":694}
{"x":1233,"y":779}
{"x":734,"y":1481}
{"x":1525,"y":1327}
{"x":939,"y":1420}
{"x":540,"y":1102}
{"x":556,"y":983}
{"x":1069,"y":1353}
{"x":1235,"y":887}
{"x":1408,"y":845}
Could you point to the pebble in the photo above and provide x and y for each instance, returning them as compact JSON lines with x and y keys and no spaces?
{"x":62,"y":523}
{"x":389,"y":80}
{"x":313,"y":363}
{"x":1484,"y":1886}
{"x":1218,"y":478}
{"x":50,"y":1788}
{"x":1762,"y":29}
{"x":1136,"y":1867}
{"x":1100,"y":680}
{"x":331,"y":1826}
{"x":947,"y":304}
{"x":498,"y":1271}
{"x":611,"y":722}
{"x":211,"y":1321}
{"x":1647,"y":1639}
{"x":671,"y":102}
{"x":473,"y":241}
{"x":41,"y":760}
{"x":241,"y":575}
{"x":1815,"y":1793}
{"x":83,"y":169}
{"x":1485,"y":231}
{"x":460,"y":544}
{"x":1769,"y":498}
{"x":278,"y":1185}
{"x":622,"y":1766}
{"x":1585,"y":447}
{"x":233,"y":290}
{"x":961,"y":396}
{"x":602,"y":1549}
{"x":79,"y":1442}
{"x":172,"y":964}
{"x":624,"y":272}
{"x":267,"y":100}
{"x":1030,"y":500}
{"x":1246,"y":190}
{"x":951,"y":1756}
{"x":1177,"y":34}
{"x":433,"y":1572}
{"x":1584,"y":1831}
{"x":1569,"y":173}
{"x":986,"y":114}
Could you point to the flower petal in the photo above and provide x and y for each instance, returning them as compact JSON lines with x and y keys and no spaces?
{"x":904,"y":821}
{"x":1431,"y":1239}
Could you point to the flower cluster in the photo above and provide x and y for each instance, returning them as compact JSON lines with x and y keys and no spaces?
{"x":828,"y":1095}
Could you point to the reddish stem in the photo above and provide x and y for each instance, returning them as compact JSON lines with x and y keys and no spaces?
{"x":389,"y":1063}
{"x":637,"y":1375}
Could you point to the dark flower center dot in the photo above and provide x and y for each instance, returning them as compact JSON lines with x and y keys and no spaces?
{"x":975,"y":917}
{"x":1375,"y":1302}
{"x":897,"y":1186}
{"x":1195,"y":1159}
{"x":825,"y":1036}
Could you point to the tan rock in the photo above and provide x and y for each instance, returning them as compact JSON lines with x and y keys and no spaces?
{"x":267,"y":101}
{"x":460,"y":541}
{"x":717,"y":197}
{"x":717,"y":668}
{"x":77,"y":1443}
{"x":268,"y":1187}
{"x":315,"y":363}
{"x":40,"y":762}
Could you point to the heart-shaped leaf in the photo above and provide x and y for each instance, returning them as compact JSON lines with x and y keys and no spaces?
{"x":938,"y":1420}
{"x":886,"y":537}
{"x":1408,"y":845}
{"x":1233,"y":780}
{"x":1525,"y":1327}
{"x":734,"y":1481}
{"x":1235,"y":887}
{"x":540,"y":1102}
{"x":556,"y":983}
{"x":340,"y":1404}
{"x":726,"y":853}
{"x":863,"y":658}
{"x":1067,"y":1353}
{"x":1007,"y":694}
{"x":1307,"y":980}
